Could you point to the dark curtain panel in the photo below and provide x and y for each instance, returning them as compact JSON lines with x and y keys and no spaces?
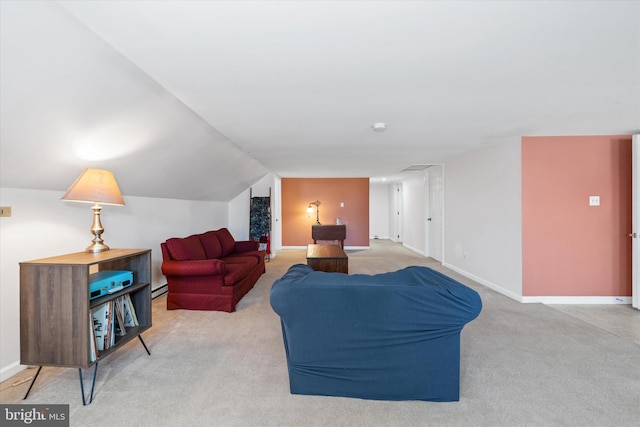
{"x":260,"y":217}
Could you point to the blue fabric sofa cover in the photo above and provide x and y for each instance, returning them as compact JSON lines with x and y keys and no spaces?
{"x":390,"y":336}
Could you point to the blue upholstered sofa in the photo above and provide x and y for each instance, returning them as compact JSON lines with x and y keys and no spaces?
{"x":390,"y":336}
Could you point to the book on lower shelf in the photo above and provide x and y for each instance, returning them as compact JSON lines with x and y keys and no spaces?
{"x":120,"y":326}
{"x":129,"y":311}
{"x":109,"y":320}
{"x":93,"y":343}
{"x":99,"y":325}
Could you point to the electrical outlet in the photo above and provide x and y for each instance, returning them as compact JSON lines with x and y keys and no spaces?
{"x":5,"y":211}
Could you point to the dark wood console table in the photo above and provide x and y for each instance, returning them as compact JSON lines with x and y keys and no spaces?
{"x":329,"y":232}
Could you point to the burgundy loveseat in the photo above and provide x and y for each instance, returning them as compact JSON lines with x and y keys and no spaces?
{"x":210,"y":271}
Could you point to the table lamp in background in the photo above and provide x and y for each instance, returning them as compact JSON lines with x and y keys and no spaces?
{"x":310,"y":210}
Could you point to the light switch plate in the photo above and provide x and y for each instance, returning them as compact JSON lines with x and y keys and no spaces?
{"x":594,"y":200}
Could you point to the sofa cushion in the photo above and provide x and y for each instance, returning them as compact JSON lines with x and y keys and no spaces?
{"x":258,"y":255}
{"x":248,"y":261}
{"x":246,"y":246}
{"x":188,"y":248}
{"x":227,"y":241}
{"x":211,"y":245}
{"x":234,"y":273}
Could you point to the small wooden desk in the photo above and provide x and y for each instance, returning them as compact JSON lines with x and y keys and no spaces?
{"x":329,"y":232}
{"x":329,"y":258}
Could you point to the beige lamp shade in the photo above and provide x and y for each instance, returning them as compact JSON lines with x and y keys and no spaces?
{"x":95,"y":186}
{"x":99,"y":187}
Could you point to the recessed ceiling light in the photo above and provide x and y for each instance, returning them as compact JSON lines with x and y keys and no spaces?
{"x":379,"y":127}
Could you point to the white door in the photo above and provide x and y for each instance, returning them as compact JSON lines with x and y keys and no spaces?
{"x":276,"y":225}
{"x":635,"y":246}
{"x":436,"y":212}
{"x":396,"y":235}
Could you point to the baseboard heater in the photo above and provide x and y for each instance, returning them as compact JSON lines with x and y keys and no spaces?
{"x":159,"y":291}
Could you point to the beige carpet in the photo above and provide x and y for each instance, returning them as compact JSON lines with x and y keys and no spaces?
{"x":521,"y":365}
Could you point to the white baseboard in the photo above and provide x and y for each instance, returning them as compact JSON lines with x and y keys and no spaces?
{"x":419,"y":252}
{"x":10,"y":370}
{"x":577,"y":300}
{"x":486,"y":283}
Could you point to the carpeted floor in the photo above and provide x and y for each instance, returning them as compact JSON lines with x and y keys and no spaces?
{"x":521,"y":365}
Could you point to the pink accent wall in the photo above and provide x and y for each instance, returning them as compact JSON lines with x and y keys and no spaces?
{"x":569,"y":247}
{"x":297,"y":193}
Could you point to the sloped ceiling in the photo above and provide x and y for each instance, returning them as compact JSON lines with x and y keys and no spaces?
{"x":199,"y":99}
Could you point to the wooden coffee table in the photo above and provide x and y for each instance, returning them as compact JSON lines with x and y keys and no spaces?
{"x":329,"y":258}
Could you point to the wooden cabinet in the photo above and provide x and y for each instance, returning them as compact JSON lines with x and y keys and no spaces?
{"x":55,"y":307}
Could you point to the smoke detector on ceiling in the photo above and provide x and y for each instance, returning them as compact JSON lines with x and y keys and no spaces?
{"x":379,"y":127}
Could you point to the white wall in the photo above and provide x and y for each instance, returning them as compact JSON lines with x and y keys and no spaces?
{"x":42,"y":225}
{"x":239,"y":216}
{"x":379,"y":209}
{"x":414,"y":202}
{"x":483,"y":216}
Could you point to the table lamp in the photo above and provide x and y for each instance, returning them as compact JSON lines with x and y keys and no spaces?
{"x":95,"y":186}
{"x":310,"y":210}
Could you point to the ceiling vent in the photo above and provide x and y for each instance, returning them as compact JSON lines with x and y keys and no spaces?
{"x":415,"y":168}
